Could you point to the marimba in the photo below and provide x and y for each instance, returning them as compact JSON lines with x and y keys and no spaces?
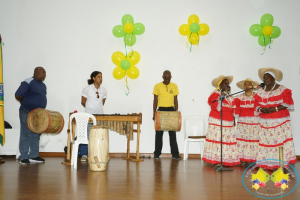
{"x":123,"y":124}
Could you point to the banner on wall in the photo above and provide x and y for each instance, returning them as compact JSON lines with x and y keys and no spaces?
{"x":2,"y":127}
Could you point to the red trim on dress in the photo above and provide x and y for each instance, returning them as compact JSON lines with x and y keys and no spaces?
{"x":219,"y":162}
{"x":276,"y":166}
{"x":220,"y":125}
{"x":275,"y":126}
{"x":247,"y":160}
{"x":276,"y":145}
{"x":218,"y":142}
{"x":248,"y":123}
{"x":240,"y":139}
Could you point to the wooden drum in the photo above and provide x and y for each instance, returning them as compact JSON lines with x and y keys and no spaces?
{"x":98,"y":148}
{"x":45,"y":121}
{"x":167,"y":121}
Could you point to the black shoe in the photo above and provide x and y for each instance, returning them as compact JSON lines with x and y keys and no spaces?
{"x":156,"y":158}
{"x":25,"y":162}
{"x":176,"y":157}
{"x":37,"y":159}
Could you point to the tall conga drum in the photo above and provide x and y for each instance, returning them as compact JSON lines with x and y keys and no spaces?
{"x":98,"y":148}
{"x":40,"y":120}
{"x":167,"y":121}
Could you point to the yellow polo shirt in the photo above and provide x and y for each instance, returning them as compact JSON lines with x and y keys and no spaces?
{"x":165,"y":94}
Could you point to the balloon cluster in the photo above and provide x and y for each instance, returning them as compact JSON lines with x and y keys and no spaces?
{"x":128,"y":30}
{"x":125,"y":65}
{"x":193,"y":29}
{"x":265,"y":30}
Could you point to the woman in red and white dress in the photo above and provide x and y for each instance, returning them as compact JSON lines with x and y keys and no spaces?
{"x":212,"y":147}
{"x":273,"y":103}
{"x":247,"y":124}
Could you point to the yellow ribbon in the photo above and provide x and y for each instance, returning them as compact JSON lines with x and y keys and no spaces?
{"x":217,"y":88}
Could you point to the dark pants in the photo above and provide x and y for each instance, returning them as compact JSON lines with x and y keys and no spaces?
{"x":172,"y":137}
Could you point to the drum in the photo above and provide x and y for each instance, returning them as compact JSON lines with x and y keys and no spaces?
{"x":167,"y":121}
{"x":98,"y":148}
{"x":45,"y":121}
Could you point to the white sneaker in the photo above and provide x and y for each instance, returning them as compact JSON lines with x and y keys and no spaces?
{"x":83,"y":158}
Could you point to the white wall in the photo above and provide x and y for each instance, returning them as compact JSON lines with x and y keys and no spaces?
{"x":72,"y":38}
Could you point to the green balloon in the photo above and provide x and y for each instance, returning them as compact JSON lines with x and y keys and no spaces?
{"x":118,"y":31}
{"x":194,"y":27}
{"x":256,"y":30}
{"x":266,"y":20}
{"x":263,"y":40}
{"x":127,"y":18}
{"x":139,"y":29}
{"x":125,"y":64}
{"x":276,"y":32}
{"x":130,"y":39}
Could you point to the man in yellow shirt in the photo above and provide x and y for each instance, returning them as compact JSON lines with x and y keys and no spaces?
{"x":165,"y":98}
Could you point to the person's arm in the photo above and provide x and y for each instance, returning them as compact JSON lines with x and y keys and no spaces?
{"x":273,"y":109}
{"x":176,"y":102}
{"x":104,"y":96}
{"x":22,"y":91}
{"x":19,"y":98}
{"x":83,"y":100}
{"x":154,"y":105}
{"x":288,"y":102}
{"x":214,"y":105}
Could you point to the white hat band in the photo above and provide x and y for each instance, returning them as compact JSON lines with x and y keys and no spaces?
{"x":271,"y":73}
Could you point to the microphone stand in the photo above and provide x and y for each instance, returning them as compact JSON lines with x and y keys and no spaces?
{"x":221,"y":98}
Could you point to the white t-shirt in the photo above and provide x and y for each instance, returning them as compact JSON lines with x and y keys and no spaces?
{"x":93,"y":104}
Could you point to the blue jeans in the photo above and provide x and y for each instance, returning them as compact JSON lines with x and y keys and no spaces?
{"x":29,"y":141}
{"x":84,"y":149}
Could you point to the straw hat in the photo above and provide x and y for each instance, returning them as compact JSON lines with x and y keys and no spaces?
{"x":241,"y":83}
{"x":277,"y":73}
{"x":216,"y":80}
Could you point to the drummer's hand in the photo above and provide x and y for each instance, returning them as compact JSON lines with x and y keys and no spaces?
{"x":153,"y":117}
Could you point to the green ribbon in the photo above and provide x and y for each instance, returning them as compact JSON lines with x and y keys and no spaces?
{"x":191,"y":42}
{"x":265,"y":46}
{"x":125,"y":49}
{"x":131,"y":54}
{"x":131,"y":45}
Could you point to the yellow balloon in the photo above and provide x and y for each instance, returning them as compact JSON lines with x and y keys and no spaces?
{"x":117,"y":57}
{"x":184,"y":29}
{"x":204,"y":29}
{"x":194,"y":38}
{"x":119,"y":73}
{"x":128,"y":27}
{"x":193,"y":19}
{"x":133,"y":72}
{"x":134,"y":57}
{"x":267,"y":30}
